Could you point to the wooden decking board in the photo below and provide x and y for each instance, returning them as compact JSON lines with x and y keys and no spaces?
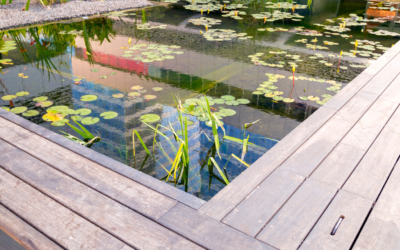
{"x":23,"y":233}
{"x":229,"y":197}
{"x":128,"y":192}
{"x":354,"y":209}
{"x":382,"y":229}
{"x":372,"y":172}
{"x":289,"y":227}
{"x":107,"y":162}
{"x":327,"y":137}
{"x":208,"y":232}
{"x":340,"y":163}
{"x":56,"y":221}
{"x":257,"y":209}
{"x":107,"y":214}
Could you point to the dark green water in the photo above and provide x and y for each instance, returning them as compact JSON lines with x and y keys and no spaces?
{"x":92,"y":60}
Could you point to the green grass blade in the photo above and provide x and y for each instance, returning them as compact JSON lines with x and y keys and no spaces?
{"x":141,"y":141}
{"x":80,"y":132}
{"x":219,"y":170}
{"x":27,"y":5}
{"x":89,"y":135}
{"x":237,"y":158}
{"x":244,"y":151}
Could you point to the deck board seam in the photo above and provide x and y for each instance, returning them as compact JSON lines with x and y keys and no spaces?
{"x":88,"y":158}
{"x":146,"y":216}
{"x":33,"y":226}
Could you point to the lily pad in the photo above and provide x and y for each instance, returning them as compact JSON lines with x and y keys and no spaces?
{"x":192,"y":101}
{"x":109,"y":114}
{"x":8,"y":97}
{"x":90,"y":120}
{"x":52,"y":117}
{"x":278,"y":98}
{"x":134,"y":94}
{"x":149,"y":118}
{"x":209,"y":124}
{"x":258,"y":92}
{"x":149,"y":97}
{"x":157,"y":88}
{"x":40,"y":99}
{"x":5,"y":108}
{"x":136,"y":87}
{"x":228,"y":97}
{"x":243,"y":101}
{"x":219,"y":101}
{"x":58,"y":109}
{"x":288,"y":100}
{"x":22,"y":93}
{"x":44,"y":104}
{"x":228,"y":112}
{"x":305,"y":98}
{"x":119,"y":95}
{"x":30,"y":113}
{"x":77,"y":118}
{"x":83,"y":111}
{"x":95,"y":70}
{"x":18,"y":110}
{"x":88,"y":98}
{"x":60,"y":123}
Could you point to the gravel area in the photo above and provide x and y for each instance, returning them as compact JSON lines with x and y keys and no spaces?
{"x":11,"y":15}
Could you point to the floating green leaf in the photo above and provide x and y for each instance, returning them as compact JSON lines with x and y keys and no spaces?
{"x":243,"y":101}
{"x":157,"y":88}
{"x":30,"y":113}
{"x":95,"y":70}
{"x":109,"y":114}
{"x":8,"y":97}
{"x":149,"y":97}
{"x":44,"y":104}
{"x":134,"y":94}
{"x":18,"y":110}
{"x":22,"y":93}
{"x":149,"y":118}
{"x":219,"y":101}
{"x":88,"y":98}
{"x":60,"y":123}
{"x":90,"y":120}
{"x":40,"y":99}
{"x":119,"y":95}
{"x":228,"y":112}
{"x":136,"y":87}
{"x":82,"y":111}
{"x":228,"y":97}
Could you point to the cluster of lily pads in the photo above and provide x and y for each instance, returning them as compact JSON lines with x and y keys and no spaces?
{"x":205,"y":21}
{"x":285,"y":5}
{"x":152,"y":52}
{"x":224,"y":35}
{"x":277,"y":15}
{"x":7,"y":46}
{"x":138,"y":91}
{"x":148,"y":26}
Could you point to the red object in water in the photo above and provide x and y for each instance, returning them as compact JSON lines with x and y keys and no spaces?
{"x":32,"y":42}
{"x":77,"y":83}
{"x":11,"y":104}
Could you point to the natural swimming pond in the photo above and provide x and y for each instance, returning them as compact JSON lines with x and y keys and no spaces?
{"x":208,"y":91}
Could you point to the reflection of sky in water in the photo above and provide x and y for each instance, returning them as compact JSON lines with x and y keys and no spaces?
{"x":215,"y":69}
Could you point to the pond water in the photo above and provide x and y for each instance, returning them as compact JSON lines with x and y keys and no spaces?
{"x":138,"y":65}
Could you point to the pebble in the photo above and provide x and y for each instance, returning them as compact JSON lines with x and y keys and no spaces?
{"x":11,"y":15}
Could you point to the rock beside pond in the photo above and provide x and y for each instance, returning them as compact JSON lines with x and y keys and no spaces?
{"x":12,"y":15}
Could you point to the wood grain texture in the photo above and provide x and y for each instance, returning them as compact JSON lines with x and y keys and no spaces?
{"x":289,"y":227}
{"x":339,"y":164}
{"x":259,"y":207}
{"x":372,"y":172}
{"x":314,"y":151}
{"x":107,"y":162}
{"x":107,"y":214}
{"x":56,"y":221}
{"x":382,"y":229}
{"x":128,"y":192}
{"x":354,"y":209}
{"x":208,"y":232}
{"x":228,"y":198}
{"x":23,"y":233}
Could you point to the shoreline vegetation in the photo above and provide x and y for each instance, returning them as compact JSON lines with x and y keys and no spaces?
{"x":14,"y":15}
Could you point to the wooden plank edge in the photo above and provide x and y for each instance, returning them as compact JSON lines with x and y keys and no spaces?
{"x":23,"y":233}
{"x":105,"y":161}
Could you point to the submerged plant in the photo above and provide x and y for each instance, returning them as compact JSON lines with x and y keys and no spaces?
{"x":88,"y":138}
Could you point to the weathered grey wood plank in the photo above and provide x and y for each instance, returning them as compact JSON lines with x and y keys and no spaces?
{"x":371,"y":173}
{"x":23,"y":233}
{"x":384,"y":78}
{"x":223,"y":202}
{"x":293,"y":222}
{"x":258,"y":208}
{"x":361,"y":80}
{"x":354,"y":209}
{"x":382,"y":229}
{"x":128,"y":192}
{"x":206,"y":231}
{"x":57,"y":222}
{"x":339,"y":164}
{"x":118,"y":220}
{"x":314,"y":151}
{"x":107,"y":162}
{"x":392,"y":93}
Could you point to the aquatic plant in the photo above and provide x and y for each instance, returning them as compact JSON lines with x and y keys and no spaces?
{"x":88,"y":138}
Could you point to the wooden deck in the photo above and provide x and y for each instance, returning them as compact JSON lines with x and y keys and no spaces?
{"x":342,"y":162}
